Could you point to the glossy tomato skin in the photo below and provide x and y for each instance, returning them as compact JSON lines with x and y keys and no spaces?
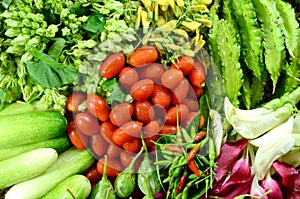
{"x":127,"y":77}
{"x":74,"y":100}
{"x":191,"y":103}
{"x":180,"y":92}
{"x":127,"y":157}
{"x":112,"y":65}
{"x":87,"y":123}
{"x":142,"y":89}
{"x":93,"y":175}
{"x":185,"y":64}
{"x":96,"y":105}
{"x":143,"y":111}
{"x":168,"y":129}
{"x":127,"y":132}
{"x":151,"y":71}
{"x":133,"y":146}
{"x":121,"y":113}
{"x":197,"y":75}
{"x":171,"y":78}
{"x":150,"y":132}
{"x":114,"y":167}
{"x":78,"y":139}
{"x":171,"y":114}
{"x":106,"y":130}
{"x":98,"y":144}
{"x":113,"y":151}
{"x":143,"y":55}
{"x":161,"y":95}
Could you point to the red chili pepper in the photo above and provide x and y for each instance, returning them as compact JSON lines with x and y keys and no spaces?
{"x":192,"y":166}
{"x":173,"y":148}
{"x":182,"y":182}
{"x":193,"y":152}
{"x":199,"y":136}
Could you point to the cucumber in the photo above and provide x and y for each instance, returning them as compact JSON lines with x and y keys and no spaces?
{"x":22,"y":107}
{"x":71,"y":162}
{"x":26,"y":166}
{"x":76,"y":186}
{"x":32,"y":127}
{"x":60,"y":144}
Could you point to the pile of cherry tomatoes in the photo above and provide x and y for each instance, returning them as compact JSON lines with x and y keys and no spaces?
{"x":162,"y":97}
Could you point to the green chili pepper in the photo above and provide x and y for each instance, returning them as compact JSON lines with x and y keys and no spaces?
{"x":185,"y":192}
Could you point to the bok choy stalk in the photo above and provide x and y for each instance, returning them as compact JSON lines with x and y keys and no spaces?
{"x":253,"y":123}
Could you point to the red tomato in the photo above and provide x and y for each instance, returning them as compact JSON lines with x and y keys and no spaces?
{"x":98,"y":144}
{"x":180,"y":92}
{"x":196,"y":91}
{"x":74,"y":100}
{"x":127,"y":157}
{"x":96,"y":105}
{"x":168,"y":129}
{"x":150,"y":132}
{"x":171,"y":114}
{"x":185,"y":64}
{"x":189,"y":118}
{"x":160,"y":112}
{"x":151,"y":71}
{"x":127,"y":132}
{"x":78,"y":139}
{"x":191,"y":103}
{"x":143,"y":111}
{"x":87,"y":123}
{"x":127,"y":77}
{"x":143,"y":55}
{"x":113,"y":167}
{"x":171,"y":77}
{"x":106,"y":130}
{"x":197,"y":76}
{"x":121,"y":113}
{"x":133,"y":146}
{"x":161,"y":96}
{"x":142,"y":89}
{"x":113,"y":151}
{"x":93,"y":175}
{"x":112,"y":65}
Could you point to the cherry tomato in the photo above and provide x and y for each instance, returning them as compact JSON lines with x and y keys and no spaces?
{"x":143,"y":55}
{"x":143,"y":111}
{"x":87,"y":123}
{"x":189,"y":118}
{"x":78,"y":139}
{"x":151,"y":71}
{"x":98,"y":144}
{"x":185,"y":64}
{"x":171,"y":115}
{"x":112,"y":65}
{"x":127,"y":157}
{"x":133,"y":146}
{"x":191,"y":103}
{"x":113,"y":151}
{"x":168,"y":129}
{"x":142,"y":89}
{"x":196,"y":91}
{"x":161,"y":95}
{"x":150,"y":132}
{"x":93,"y":175}
{"x":106,"y":130}
{"x":160,"y":112}
{"x":113,"y":167}
{"x":127,"y":132}
{"x":96,"y":105}
{"x":197,"y":76}
{"x":180,"y":92}
{"x":127,"y":77}
{"x":74,"y":100}
{"x":121,"y":113}
{"x":171,"y":77}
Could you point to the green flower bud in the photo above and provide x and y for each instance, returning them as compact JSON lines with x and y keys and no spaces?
{"x":39,"y":4}
{"x":64,"y":13}
{"x":12,"y":32}
{"x":35,"y":25}
{"x":51,"y":30}
{"x":20,"y":40}
{"x":87,"y":44}
{"x":13,"y":23}
{"x":17,"y":50}
{"x":26,"y":31}
{"x":65,"y":31}
{"x":8,"y":14}
{"x":40,"y":31}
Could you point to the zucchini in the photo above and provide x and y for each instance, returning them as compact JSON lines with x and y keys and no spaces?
{"x":26,"y":166}
{"x":71,"y":162}
{"x":60,"y":144}
{"x":22,"y":107}
{"x":32,"y":127}
{"x":76,"y":186}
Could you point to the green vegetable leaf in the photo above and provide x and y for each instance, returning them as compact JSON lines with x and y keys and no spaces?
{"x":6,"y":3}
{"x":2,"y":98}
{"x":113,"y":91}
{"x":95,"y":23}
{"x":56,"y":48}
{"x":49,"y":73}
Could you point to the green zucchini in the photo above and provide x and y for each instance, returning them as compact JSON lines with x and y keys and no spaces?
{"x":32,"y":127}
{"x":71,"y":162}
{"x":76,"y":186}
{"x":22,"y":107}
{"x":60,"y":144}
{"x":26,"y":166}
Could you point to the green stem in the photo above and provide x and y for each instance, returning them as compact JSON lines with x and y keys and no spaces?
{"x":295,"y":96}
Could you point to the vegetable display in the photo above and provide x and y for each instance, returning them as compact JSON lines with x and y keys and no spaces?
{"x":149,"y":99}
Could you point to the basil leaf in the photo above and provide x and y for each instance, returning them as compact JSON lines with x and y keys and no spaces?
{"x":115,"y":94}
{"x":56,"y":48}
{"x":49,"y":73}
{"x":6,"y":3}
{"x":2,"y":98}
{"x":95,"y":23}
